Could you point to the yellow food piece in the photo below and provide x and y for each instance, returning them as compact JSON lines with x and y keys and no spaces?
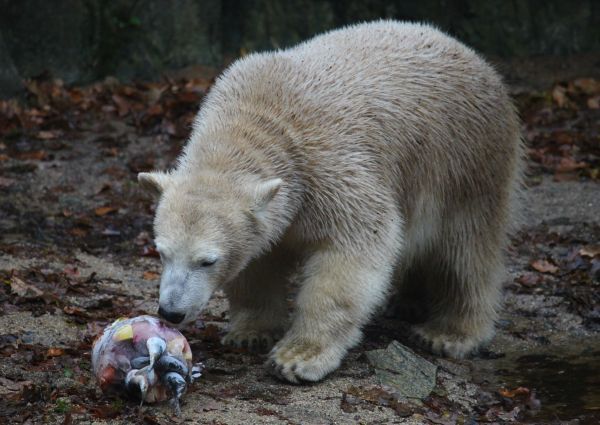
{"x":126,"y":332}
{"x":175,"y":346}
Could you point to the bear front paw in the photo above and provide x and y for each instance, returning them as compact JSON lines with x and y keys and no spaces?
{"x":259,"y":341}
{"x":301,"y":361}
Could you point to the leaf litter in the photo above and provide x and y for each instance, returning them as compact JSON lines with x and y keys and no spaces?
{"x":104,"y":121}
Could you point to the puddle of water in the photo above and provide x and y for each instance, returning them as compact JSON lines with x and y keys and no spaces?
{"x":568,"y":386}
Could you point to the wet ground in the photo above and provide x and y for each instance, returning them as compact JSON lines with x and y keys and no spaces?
{"x":76,"y":252}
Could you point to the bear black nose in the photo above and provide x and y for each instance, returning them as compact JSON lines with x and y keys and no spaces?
{"x":170,"y":316}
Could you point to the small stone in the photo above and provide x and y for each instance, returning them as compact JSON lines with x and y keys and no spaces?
{"x":406,"y":372}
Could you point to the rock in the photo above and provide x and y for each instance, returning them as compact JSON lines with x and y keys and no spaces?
{"x":400,"y":368}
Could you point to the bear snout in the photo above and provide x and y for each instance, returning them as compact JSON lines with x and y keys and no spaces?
{"x":171,"y":316}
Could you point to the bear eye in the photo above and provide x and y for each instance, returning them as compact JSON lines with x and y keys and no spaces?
{"x":206,"y":262}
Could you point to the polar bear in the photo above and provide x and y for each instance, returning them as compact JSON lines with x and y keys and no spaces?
{"x":355,"y":160}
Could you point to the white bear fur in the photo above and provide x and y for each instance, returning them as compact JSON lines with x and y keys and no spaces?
{"x":359,"y":157}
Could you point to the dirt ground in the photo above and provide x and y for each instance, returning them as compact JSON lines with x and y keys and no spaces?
{"x":76,"y":253}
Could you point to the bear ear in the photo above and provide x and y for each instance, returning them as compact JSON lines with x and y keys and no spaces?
{"x":154,"y":182}
{"x":265,"y":192}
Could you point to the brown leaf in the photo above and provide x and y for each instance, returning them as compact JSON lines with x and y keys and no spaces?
{"x":517,"y":392}
{"x":102,"y":211}
{"x":55,"y":352}
{"x":23,"y":289}
{"x":151,"y":275}
{"x":123,"y":106}
{"x":48,"y":134}
{"x":7,"y":386}
{"x":565,"y":177}
{"x":568,"y":164}
{"x":150,"y":251}
{"x":33,"y":155}
{"x":544,"y":266}
{"x":559,"y":94}
{"x":4,"y":157}
{"x":6,"y":182}
{"x":71,"y":271}
{"x":79,"y":232}
{"x":588,"y":86}
{"x":154,"y":110}
{"x":529,"y":279}
{"x":593,"y":102}
{"x":75,"y":311}
{"x":590,"y":251}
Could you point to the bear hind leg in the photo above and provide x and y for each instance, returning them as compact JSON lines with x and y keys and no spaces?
{"x":465,"y":288}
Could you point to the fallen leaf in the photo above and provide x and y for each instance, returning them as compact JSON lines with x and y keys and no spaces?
{"x":150,"y":275}
{"x":593,"y":102}
{"x":588,"y":86}
{"x":154,"y":110}
{"x":590,"y":251}
{"x":71,"y":271}
{"x":6,"y":182}
{"x":33,"y":155}
{"x":102,"y":211}
{"x":517,"y":392}
{"x":23,"y":289}
{"x":122,"y":104}
{"x":565,"y":177}
{"x":559,"y":94}
{"x":529,"y":279}
{"x":79,"y":232}
{"x":150,"y":251}
{"x":4,"y":157}
{"x":544,"y":266}
{"x":48,"y":135}
{"x":55,"y":352}
{"x":75,"y":311}
{"x":569,"y":164}
{"x":8,"y":386}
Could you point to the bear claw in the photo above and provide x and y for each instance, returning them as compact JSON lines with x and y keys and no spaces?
{"x":255,"y":341}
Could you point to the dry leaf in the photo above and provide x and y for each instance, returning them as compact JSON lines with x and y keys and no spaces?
{"x":34,"y":155}
{"x":150,"y":275}
{"x":72,"y":271}
{"x":529,"y":279}
{"x":6,"y":182}
{"x":150,"y":251}
{"x":8,"y":387}
{"x":517,"y":392}
{"x":79,"y":232}
{"x":593,"y":102}
{"x":590,"y":251}
{"x":55,"y":352}
{"x":102,"y":211}
{"x":23,"y":289}
{"x":569,"y":164}
{"x":122,"y":104}
{"x":75,"y":311}
{"x":47,"y":135}
{"x":559,"y":94}
{"x":544,"y":266}
{"x":587,"y":85}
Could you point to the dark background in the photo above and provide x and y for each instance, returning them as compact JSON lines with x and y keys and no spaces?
{"x":80,"y":41}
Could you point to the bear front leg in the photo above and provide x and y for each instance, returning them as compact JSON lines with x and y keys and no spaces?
{"x":339,"y":293}
{"x":257,"y":303}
